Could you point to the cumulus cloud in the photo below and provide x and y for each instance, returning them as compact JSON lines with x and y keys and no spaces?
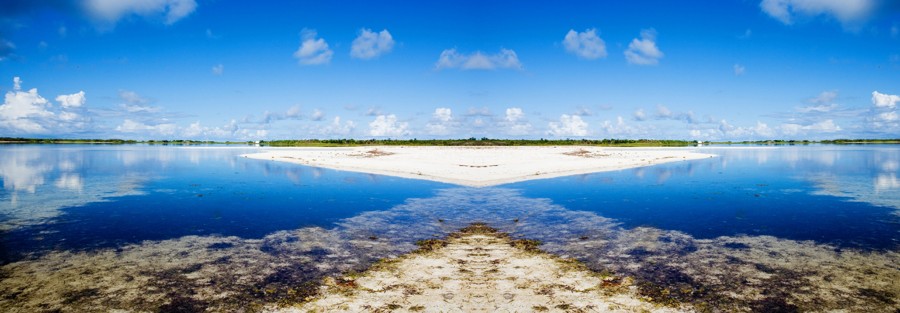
{"x":441,"y":122}
{"x":370,"y":44}
{"x":739,"y":70}
{"x":848,"y":12}
{"x":884,"y":113}
{"x":482,"y":111}
{"x":568,"y":125}
{"x":515,"y":123}
{"x":312,"y":51}
{"x":74,"y":100}
{"x":218,"y":69}
{"x":337,"y":128}
{"x":514,"y":114}
{"x":388,"y":126}
{"x":586,"y":45}
{"x":111,"y":11}
{"x":823,"y":103}
{"x":644,"y":51}
{"x":30,"y":113}
{"x":505,"y":59}
{"x":882,"y":100}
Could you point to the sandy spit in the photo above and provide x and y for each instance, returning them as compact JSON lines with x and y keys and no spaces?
{"x":479,"y":166}
{"x":478,"y":270}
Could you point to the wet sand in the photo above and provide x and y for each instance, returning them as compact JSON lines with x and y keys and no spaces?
{"x":478,"y":269}
{"x":479,"y":166}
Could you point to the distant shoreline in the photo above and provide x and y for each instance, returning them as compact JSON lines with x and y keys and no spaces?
{"x":483,"y":142}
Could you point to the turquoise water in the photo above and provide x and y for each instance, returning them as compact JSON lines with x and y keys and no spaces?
{"x":86,"y":199}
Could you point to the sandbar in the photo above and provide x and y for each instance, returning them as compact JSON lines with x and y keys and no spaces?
{"x":479,"y":166}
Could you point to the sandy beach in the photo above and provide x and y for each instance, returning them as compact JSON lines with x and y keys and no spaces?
{"x":479,"y":166}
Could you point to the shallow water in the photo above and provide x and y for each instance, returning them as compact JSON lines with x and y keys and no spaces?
{"x":195,"y":222}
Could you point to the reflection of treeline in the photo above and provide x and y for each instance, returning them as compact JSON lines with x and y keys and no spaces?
{"x":116,"y":141}
{"x":806,"y":142}
{"x":477,"y":142}
{"x":46,"y":140}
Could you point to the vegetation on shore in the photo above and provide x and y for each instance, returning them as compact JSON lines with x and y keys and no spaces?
{"x":448,"y":142}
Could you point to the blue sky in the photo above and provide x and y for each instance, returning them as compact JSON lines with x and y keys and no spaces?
{"x":229,"y":70}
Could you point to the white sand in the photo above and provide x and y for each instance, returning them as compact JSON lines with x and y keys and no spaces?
{"x":478,"y":272}
{"x":479,"y":166}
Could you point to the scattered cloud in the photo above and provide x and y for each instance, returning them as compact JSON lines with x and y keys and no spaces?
{"x":884,"y":115}
{"x":482,"y":111}
{"x":505,"y":59}
{"x":370,"y":45}
{"x":442,"y":122}
{"x":337,"y":128}
{"x":639,"y":115}
{"x":644,"y":51}
{"x":134,"y":103}
{"x":583,"y":111}
{"x":111,"y":11}
{"x":312,"y":51}
{"x":6,"y":49}
{"x":826,"y":126}
{"x":568,"y":125}
{"x":739,"y":70}
{"x":848,"y":12}
{"x":130,"y":126}
{"x":74,"y":100}
{"x":586,"y":45}
{"x":388,"y":126}
{"x":218,"y":69}
{"x":373,"y":111}
{"x":27,"y":112}
{"x":882,"y":100}
{"x":515,"y":123}
{"x":317,"y":115}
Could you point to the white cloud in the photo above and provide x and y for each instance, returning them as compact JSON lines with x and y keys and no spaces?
{"x":388,"y":126}
{"x":25,"y":111}
{"x":134,"y":103}
{"x":568,"y":125}
{"x":586,"y":45}
{"x":826,"y":126}
{"x":644,"y":51}
{"x":882,"y":100}
{"x":826,"y":97}
{"x":887,"y":117}
{"x":505,"y":59}
{"x":639,"y":115}
{"x":336,"y":128}
{"x":739,"y":70}
{"x":218,"y":69}
{"x":442,"y":122}
{"x":111,"y":11}
{"x":442,"y":114}
{"x":28,"y":112}
{"x":313,"y":51}
{"x":294,"y":112}
{"x":130,"y":126}
{"x":514,"y":114}
{"x":848,"y":12}
{"x":370,"y":45}
{"x":317,"y":115}
{"x":515,"y":123}
{"x":74,"y":100}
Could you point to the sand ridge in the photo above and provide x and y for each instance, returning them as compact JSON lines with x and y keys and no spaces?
{"x":479,"y":166}
{"x":478,"y":270}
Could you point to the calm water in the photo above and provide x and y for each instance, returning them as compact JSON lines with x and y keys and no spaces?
{"x":86,"y":197}
{"x":148,"y":228}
